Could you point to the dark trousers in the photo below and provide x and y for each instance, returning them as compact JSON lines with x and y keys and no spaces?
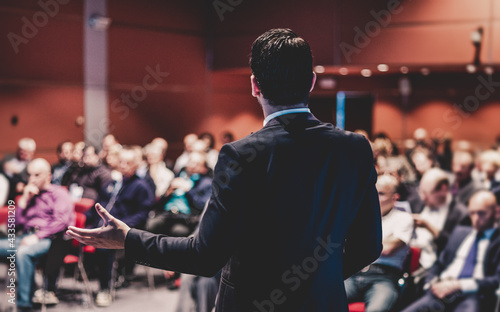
{"x":452,"y":303}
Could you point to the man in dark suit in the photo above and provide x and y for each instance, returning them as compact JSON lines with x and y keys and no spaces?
{"x":294,"y":210}
{"x":468,"y":270}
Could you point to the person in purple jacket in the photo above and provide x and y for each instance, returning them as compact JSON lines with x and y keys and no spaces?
{"x":43,"y":211}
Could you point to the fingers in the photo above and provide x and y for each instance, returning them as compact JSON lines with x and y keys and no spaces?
{"x":81,"y":238}
{"x":105,"y":216}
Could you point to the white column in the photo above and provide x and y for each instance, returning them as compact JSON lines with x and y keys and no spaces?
{"x":95,"y":72}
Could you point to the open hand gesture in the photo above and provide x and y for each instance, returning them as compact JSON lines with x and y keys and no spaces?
{"x":111,"y":235}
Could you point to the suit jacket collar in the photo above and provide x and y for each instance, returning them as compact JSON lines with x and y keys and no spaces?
{"x":294,"y":121}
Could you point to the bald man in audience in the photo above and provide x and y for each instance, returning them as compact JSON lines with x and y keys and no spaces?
{"x":436,"y":217}
{"x":468,"y":270}
{"x":463,"y":185}
{"x":377,"y":284}
{"x":43,"y":211}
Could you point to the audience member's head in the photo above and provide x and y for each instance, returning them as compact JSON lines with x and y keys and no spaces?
{"x":421,"y":158}
{"x":420,"y":136}
{"x":281,"y":64}
{"x":154,"y":154}
{"x":197,"y":163}
{"x":78,"y":151}
{"x":39,"y":171}
{"x":112,"y":159}
{"x":162,"y":143}
{"x":208,"y":138}
{"x":483,"y":210}
{"x":382,"y":146}
{"x":462,"y":165}
{"x":199,"y":146}
{"x":90,"y":156}
{"x":464,"y":146}
{"x":387,"y":192}
{"x":398,"y":168}
{"x":108,"y":141}
{"x":26,"y":148}
{"x":189,"y":140}
{"x":489,"y":163}
{"x":65,"y":151}
{"x":128,"y":162}
{"x":227,"y":137}
{"x":434,"y":187}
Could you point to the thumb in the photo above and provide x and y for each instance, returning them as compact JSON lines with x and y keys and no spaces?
{"x":105,"y":215}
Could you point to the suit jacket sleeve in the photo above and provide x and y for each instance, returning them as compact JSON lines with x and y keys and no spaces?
{"x":209,"y":249}
{"x":364,"y":239}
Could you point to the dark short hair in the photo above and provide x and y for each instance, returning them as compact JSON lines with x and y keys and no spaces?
{"x":282,"y":62}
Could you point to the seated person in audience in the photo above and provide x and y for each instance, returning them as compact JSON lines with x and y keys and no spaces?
{"x":185,"y":197}
{"x":42,"y":212}
{"x":377,"y":284}
{"x":163,"y":144}
{"x":64,"y":153}
{"x":212,"y":154}
{"x":108,"y":141}
{"x":422,"y":161}
{"x":90,"y":175}
{"x":463,"y":185}
{"x":489,"y":165}
{"x":113,"y":161}
{"x":436,"y":218}
{"x":468,"y":270}
{"x":399,"y":168}
{"x":131,"y":199}
{"x":182,"y":160}
{"x":157,"y":170}
{"x":14,"y":167}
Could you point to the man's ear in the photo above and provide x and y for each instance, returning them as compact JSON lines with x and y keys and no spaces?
{"x":313,"y":82}
{"x":255,"y":86}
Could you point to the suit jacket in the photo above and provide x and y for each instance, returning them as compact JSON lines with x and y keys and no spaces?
{"x":293,"y":212}
{"x":456,"y":215}
{"x":491,"y":266}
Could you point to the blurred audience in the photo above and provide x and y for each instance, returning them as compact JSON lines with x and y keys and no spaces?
{"x":89,"y":176}
{"x":467,"y":273}
{"x":185,"y":197}
{"x":423,"y":175}
{"x":130,"y":200}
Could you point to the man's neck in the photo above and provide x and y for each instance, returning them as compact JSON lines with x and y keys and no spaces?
{"x":270,"y":109}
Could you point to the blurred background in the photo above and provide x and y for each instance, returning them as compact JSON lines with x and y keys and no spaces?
{"x":77,"y":70}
